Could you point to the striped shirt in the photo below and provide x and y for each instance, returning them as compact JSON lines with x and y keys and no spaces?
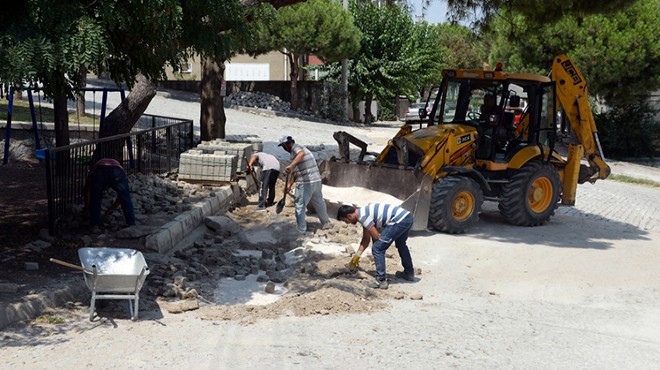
{"x":380,"y":215}
{"x":307,"y":171}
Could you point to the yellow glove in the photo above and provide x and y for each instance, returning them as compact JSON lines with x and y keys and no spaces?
{"x":355,"y":262}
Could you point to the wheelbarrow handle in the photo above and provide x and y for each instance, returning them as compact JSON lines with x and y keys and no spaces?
{"x":71,"y":265}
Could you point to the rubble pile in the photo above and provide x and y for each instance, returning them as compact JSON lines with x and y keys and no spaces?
{"x":152,"y":196}
{"x":190,"y":273}
{"x":257,"y":100}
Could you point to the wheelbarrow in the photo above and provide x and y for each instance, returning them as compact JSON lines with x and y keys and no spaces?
{"x":112,"y":273}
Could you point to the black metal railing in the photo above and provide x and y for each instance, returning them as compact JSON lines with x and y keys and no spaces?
{"x":153,"y":150}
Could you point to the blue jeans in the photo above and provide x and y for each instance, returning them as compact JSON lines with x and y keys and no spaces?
{"x":267,"y":180}
{"x":309,"y":193}
{"x":109,"y":177}
{"x":397,"y":233}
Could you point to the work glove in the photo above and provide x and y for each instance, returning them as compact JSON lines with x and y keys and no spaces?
{"x":355,"y":262}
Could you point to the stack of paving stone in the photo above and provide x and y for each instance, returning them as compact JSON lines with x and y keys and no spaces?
{"x":257,"y":143}
{"x":202,"y":166}
{"x":242,"y":150}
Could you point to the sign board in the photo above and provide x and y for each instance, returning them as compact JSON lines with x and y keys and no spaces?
{"x":247,"y":72}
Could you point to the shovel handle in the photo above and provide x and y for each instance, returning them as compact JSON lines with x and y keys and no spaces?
{"x":254,"y":177}
{"x":71,"y":265}
{"x":287,"y":188}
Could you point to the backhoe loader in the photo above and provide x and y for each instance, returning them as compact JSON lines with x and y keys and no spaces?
{"x":474,"y":146}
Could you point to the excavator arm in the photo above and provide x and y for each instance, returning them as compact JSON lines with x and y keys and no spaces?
{"x":573,"y":96}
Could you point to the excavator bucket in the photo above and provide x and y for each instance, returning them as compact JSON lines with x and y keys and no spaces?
{"x":412,"y":188}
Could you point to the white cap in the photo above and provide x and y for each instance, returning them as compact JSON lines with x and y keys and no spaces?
{"x":285,"y":139}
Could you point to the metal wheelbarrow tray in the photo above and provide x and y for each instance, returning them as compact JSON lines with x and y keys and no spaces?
{"x":114,"y":273}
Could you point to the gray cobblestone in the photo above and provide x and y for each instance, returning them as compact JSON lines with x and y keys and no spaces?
{"x":632,"y":204}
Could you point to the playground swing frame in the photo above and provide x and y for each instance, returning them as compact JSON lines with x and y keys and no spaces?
{"x":40,"y":152}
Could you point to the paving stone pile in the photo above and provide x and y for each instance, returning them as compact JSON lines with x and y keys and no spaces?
{"x":216,"y":166}
{"x":243,"y":151}
{"x":189,"y":274}
{"x":151,"y":195}
{"x":257,"y":100}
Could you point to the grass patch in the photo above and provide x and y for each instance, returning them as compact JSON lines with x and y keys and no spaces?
{"x":21,"y":113}
{"x":634,"y":180}
{"x":49,"y":319}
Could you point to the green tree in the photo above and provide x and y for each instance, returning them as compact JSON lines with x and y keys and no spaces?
{"x":618,"y":53}
{"x":215,"y":40}
{"x":49,"y":43}
{"x":393,"y":55}
{"x":539,"y":11}
{"x":427,"y":44}
{"x":463,"y":47}
{"x":319,"y":27}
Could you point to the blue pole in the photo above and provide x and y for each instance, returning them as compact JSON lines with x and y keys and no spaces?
{"x":37,"y":142}
{"x":5,"y":159}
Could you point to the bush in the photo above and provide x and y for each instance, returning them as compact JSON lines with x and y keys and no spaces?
{"x":386,"y":111}
{"x":629,"y":131}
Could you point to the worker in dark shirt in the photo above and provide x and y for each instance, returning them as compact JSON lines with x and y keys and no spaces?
{"x":104,"y":174}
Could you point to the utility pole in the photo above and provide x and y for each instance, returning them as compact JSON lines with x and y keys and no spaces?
{"x":344,"y":79}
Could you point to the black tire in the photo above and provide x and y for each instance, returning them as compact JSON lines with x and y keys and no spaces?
{"x":455,"y":204}
{"x":532,"y":196}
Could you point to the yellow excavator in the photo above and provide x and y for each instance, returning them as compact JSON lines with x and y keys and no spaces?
{"x":489,"y":136}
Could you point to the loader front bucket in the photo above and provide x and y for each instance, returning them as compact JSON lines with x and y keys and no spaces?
{"x":412,"y":188}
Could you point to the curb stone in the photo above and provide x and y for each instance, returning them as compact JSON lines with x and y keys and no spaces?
{"x":32,"y":307}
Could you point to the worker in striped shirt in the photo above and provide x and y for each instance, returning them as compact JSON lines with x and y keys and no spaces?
{"x":383,"y":224}
{"x":308,"y":183}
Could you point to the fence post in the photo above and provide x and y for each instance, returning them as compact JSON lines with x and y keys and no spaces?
{"x":139,"y":139}
{"x":192,"y":135}
{"x":168,"y":146}
{"x":52,"y":217}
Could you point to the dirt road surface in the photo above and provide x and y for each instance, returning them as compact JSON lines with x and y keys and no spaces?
{"x":580,"y":292}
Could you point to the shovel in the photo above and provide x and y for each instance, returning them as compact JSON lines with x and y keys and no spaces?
{"x":280,"y":205}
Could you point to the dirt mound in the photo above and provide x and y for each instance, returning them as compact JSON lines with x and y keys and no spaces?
{"x":319,"y":283}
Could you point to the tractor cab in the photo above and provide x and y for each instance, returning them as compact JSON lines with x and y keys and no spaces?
{"x":508,"y":112}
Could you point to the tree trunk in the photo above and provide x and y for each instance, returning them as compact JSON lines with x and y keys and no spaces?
{"x":368,"y":118}
{"x":80,"y":95}
{"x":122,"y":119}
{"x":212,"y":117}
{"x":61,"y":125}
{"x":293,"y":62}
{"x":61,"y":120}
{"x":355,"y":105}
{"x":397,"y":106}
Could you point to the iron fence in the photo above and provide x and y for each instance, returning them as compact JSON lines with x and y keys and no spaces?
{"x":153,"y":147}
